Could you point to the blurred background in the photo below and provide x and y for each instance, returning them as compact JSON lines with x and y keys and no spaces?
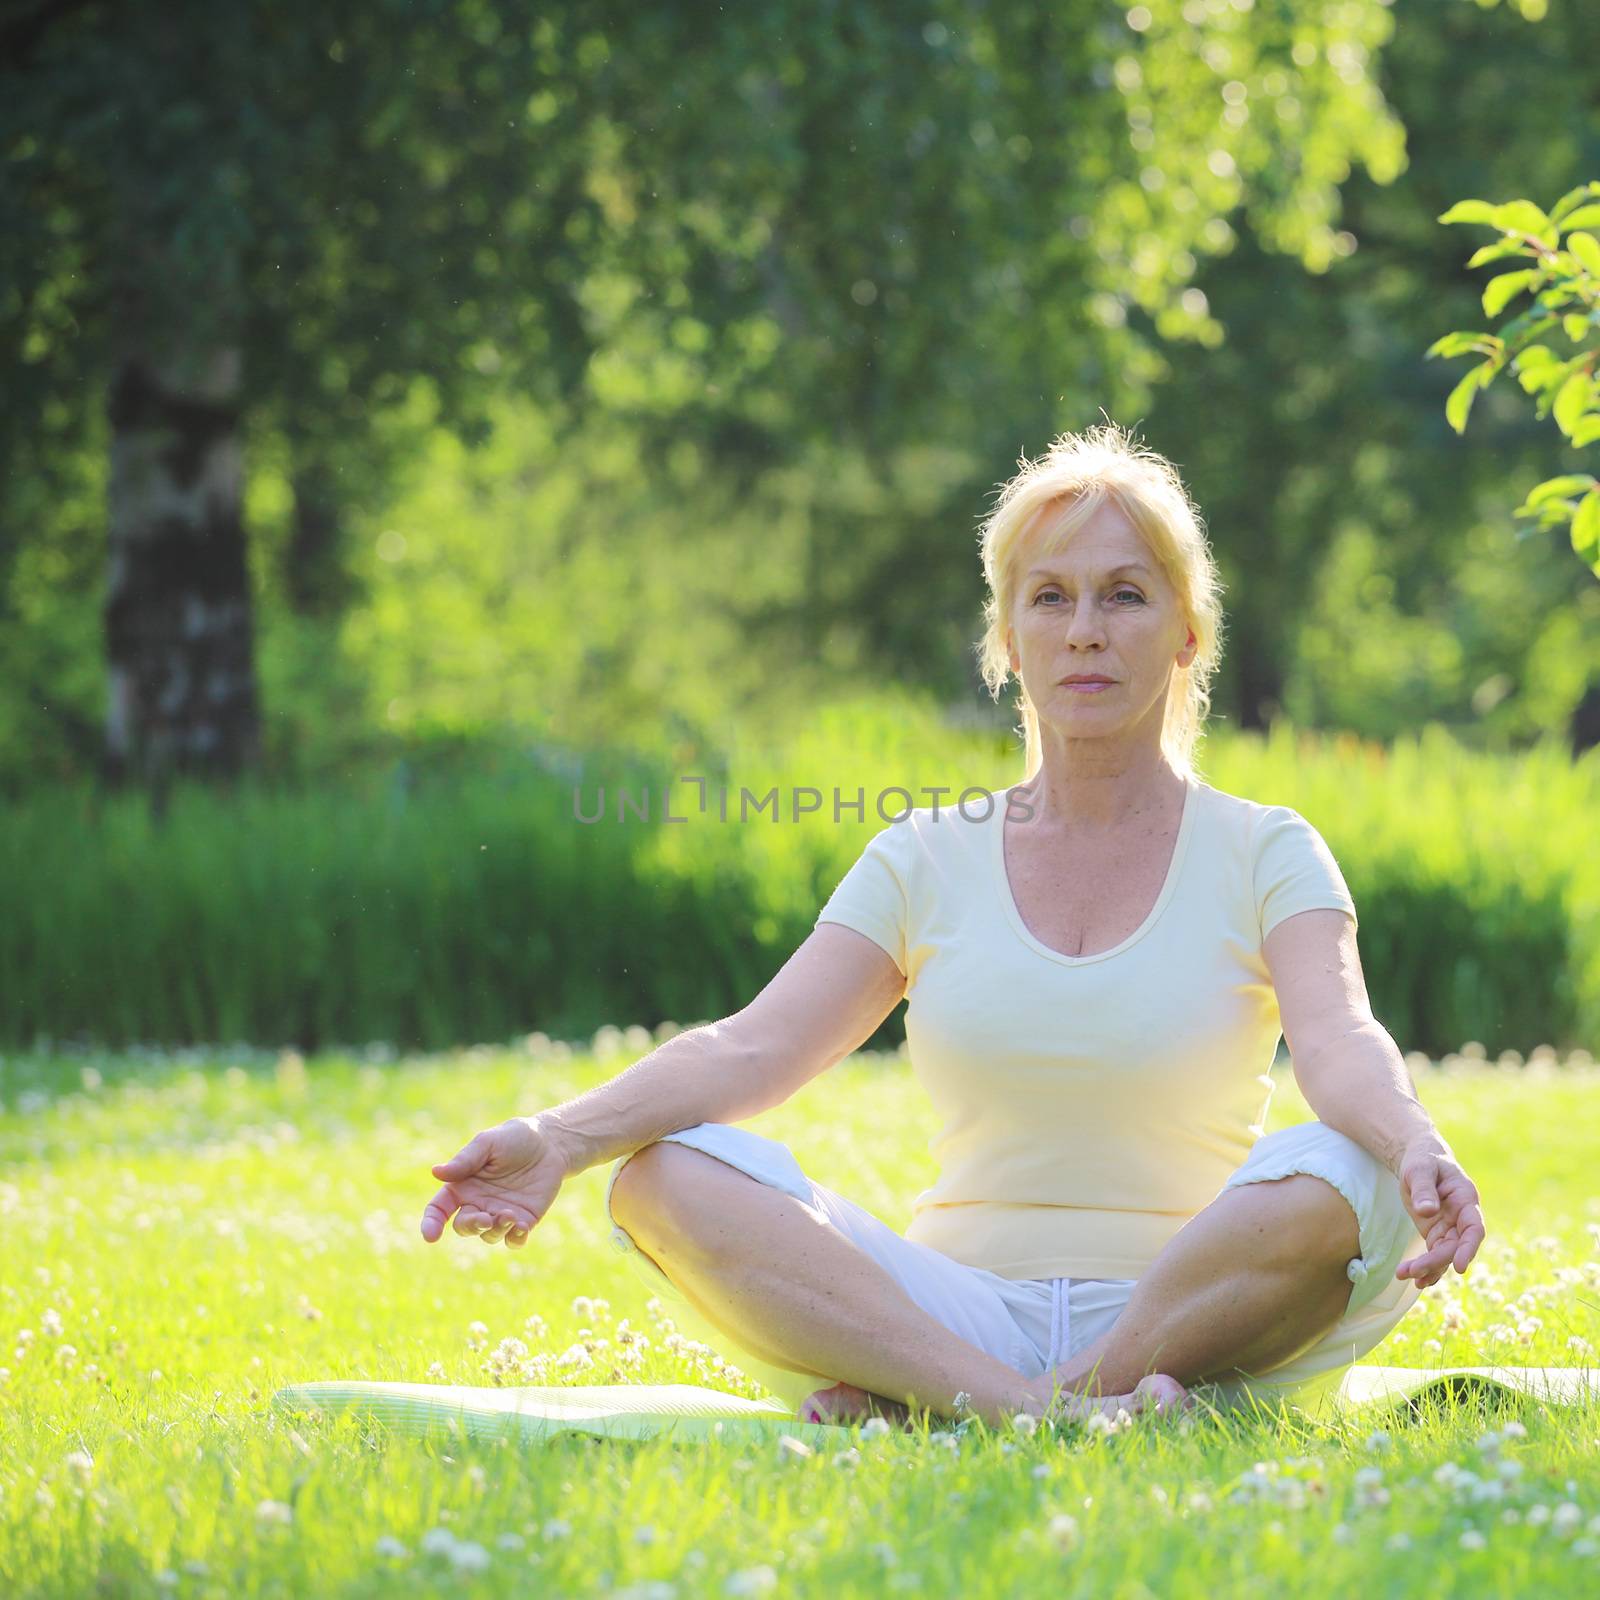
{"x":414,"y":413}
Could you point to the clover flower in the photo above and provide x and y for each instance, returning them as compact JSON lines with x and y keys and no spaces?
{"x":752,"y":1580}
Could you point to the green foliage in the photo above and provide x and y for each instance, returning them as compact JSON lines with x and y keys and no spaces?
{"x":204,"y":1229}
{"x":450,"y":899}
{"x":1564,"y":286}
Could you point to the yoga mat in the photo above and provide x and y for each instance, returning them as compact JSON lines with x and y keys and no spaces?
{"x":686,"y":1411}
{"x":1556,"y":1386}
{"x":534,"y":1414}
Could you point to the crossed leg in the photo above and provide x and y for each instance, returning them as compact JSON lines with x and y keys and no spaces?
{"x":1245,"y":1285}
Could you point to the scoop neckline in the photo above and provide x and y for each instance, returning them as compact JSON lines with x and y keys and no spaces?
{"x":997,"y":856}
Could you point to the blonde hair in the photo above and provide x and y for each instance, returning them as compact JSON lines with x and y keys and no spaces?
{"x":1088,"y":470}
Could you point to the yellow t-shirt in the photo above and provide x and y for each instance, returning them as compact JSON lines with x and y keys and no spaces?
{"x":1091,"y":1104}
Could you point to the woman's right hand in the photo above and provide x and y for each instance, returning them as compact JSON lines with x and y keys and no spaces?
{"x":499,"y":1185}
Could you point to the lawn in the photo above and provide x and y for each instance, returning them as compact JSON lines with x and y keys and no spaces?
{"x":184,"y":1233}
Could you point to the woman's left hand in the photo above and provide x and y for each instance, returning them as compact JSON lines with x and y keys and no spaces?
{"x":1443,"y":1202}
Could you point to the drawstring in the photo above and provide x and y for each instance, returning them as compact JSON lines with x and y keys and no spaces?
{"x":1060,"y":1321}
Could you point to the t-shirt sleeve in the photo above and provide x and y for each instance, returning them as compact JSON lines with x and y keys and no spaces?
{"x":1295,"y":870}
{"x":873,"y":896}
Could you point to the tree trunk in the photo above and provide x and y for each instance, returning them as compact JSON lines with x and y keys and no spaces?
{"x":179,"y":635}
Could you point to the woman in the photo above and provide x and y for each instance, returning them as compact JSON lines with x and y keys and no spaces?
{"x":1099,"y":962}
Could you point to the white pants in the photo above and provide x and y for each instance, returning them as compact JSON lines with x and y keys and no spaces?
{"x":1034,"y":1325}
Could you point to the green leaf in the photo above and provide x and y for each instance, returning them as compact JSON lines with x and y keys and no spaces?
{"x":1573,"y":197}
{"x":1520,"y":216}
{"x":1458,"y":344}
{"x":1576,"y":326}
{"x":1498,"y":251}
{"x":1470,"y":211}
{"x":1459,"y":405}
{"x":1529,"y":324}
{"x":1587,"y":431}
{"x":1499,"y":292}
{"x":1586,"y":217}
{"x":1571,"y":401}
{"x":1562,"y":488}
{"x":1586,"y":525}
{"x":1586,"y":248}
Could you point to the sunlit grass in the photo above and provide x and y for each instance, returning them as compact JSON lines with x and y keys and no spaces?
{"x":185,"y":1233}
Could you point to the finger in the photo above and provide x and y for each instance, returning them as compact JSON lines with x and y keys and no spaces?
{"x":436,"y":1214}
{"x":1424,"y":1196}
{"x":470,"y":1223}
{"x":1437,"y":1255}
{"x":466,"y":1161}
{"x":498,"y":1228}
{"x":516,"y":1238}
{"x":1472,"y":1236}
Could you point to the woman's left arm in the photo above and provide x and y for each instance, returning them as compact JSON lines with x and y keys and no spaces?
{"x":1354,"y":1078}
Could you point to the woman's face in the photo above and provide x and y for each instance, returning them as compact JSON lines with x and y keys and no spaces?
{"x":1101,"y":608}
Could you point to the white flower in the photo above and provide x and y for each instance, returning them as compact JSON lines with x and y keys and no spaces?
{"x":847,"y":1458}
{"x":1473,"y":1540}
{"x":1514,"y":1430}
{"x":644,"y":1534}
{"x":1489,"y":1442}
{"x":438,"y":1542}
{"x":1538,"y":1515}
{"x":1398,"y":1541}
{"x":1378,"y":1441}
{"x":1584,"y":1547}
{"x":1025,"y":1423}
{"x":752,"y":1580}
{"x":436,"y":1369}
{"x":80,"y":1461}
{"x":390,"y":1547}
{"x":1063,"y":1531}
{"x":1565,"y":1522}
{"x":1509,"y":1470}
{"x":1343,"y":1533}
{"x":1369,"y":1477}
{"x":872,"y":1428}
{"x":51,"y":1323}
{"x":466,"y":1556}
{"x":1042,"y":1470}
{"x":510,"y":1541}
{"x":647,"y":1589}
{"x":556,"y":1528}
{"x":274,"y":1513}
{"x":166,"y":1578}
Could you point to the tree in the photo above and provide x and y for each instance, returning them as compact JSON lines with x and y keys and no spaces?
{"x":220,"y":221}
{"x":1564,"y":282}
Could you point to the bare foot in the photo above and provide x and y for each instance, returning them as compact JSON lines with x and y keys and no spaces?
{"x":845,"y":1403}
{"x":1157,"y":1393}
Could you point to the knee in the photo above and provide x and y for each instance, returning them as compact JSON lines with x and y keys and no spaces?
{"x":1304,"y":1218}
{"x":654,"y":1187}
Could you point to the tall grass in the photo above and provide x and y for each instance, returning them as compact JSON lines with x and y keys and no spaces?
{"x":423,"y":908}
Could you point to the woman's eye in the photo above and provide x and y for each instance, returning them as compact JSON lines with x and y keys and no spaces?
{"x":1055,"y":594}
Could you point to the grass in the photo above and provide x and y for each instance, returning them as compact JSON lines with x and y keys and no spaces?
{"x":184,"y":1233}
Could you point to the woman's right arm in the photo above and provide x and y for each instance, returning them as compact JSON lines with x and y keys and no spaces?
{"x":825,"y":1002}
